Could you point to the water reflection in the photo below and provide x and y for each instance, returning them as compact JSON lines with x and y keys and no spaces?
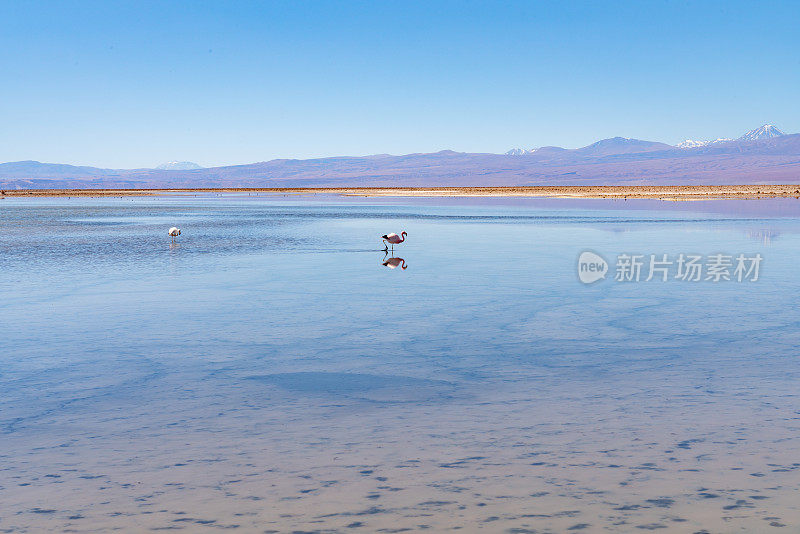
{"x":496,"y":365}
{"x":393,"y":263}
{"x":765,"y":236}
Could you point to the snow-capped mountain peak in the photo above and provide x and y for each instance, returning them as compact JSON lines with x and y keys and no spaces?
{"x":521,"y":151}
{"x":768,"y":131}
{"x":692,"y":143}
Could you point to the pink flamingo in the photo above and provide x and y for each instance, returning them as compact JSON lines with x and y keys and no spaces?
{"x":393,"y":239}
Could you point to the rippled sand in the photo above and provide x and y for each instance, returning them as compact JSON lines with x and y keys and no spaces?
{"x":535,"y":455}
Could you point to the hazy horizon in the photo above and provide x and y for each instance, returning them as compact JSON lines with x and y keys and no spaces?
{"x":132,"y":85}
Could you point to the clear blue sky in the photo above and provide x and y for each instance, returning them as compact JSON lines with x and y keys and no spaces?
{"x":133,"y":84}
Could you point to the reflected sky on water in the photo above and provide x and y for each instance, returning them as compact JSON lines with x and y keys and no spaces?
{"x":274,"y":368}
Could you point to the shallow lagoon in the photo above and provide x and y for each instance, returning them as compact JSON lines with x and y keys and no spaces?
{"x":268,"y":373}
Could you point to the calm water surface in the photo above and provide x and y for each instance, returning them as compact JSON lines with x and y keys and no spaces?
{"x":268,"y":373}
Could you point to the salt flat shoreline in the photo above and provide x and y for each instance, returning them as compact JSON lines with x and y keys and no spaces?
{"x":666,"y":192}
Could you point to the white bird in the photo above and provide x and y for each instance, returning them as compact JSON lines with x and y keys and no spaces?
{"x":393,"y":263}
{"x":174,"y":232}
{"x":393,"y":239}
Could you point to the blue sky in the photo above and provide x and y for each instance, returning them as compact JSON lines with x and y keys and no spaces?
{"x":134,"y":84}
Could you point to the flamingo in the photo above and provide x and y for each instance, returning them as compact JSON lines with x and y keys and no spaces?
{"x":174,"y":232}
{"x":393,"y":263}
{"x":393,"y":239}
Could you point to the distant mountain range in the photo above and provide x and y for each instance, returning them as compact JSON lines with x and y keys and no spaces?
{"x":619,"y":145}
{"x":763,"y":155}
{"x":767,"y":131}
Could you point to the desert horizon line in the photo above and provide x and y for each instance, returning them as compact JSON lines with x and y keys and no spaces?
{"x":607,"y":192}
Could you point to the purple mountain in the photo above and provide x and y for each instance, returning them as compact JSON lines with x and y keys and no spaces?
{"x":764,"y":155}
{"x":621,"y":145}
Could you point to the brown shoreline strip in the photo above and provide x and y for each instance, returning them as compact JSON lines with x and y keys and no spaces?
{"x":666,"y":192}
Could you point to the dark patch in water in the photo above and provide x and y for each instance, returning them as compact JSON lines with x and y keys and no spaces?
{"x":687,"y":444}
{"x":460,"y":463}
{"x":567,"y":513}
{"x":739,"y":504}
{"x":661,"y":502}
{"x":371,"y":511}
{"x":435,"y":503}
{"x":377,"y":388}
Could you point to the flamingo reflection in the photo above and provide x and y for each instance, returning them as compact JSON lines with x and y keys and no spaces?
{"x":393,"y":263}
